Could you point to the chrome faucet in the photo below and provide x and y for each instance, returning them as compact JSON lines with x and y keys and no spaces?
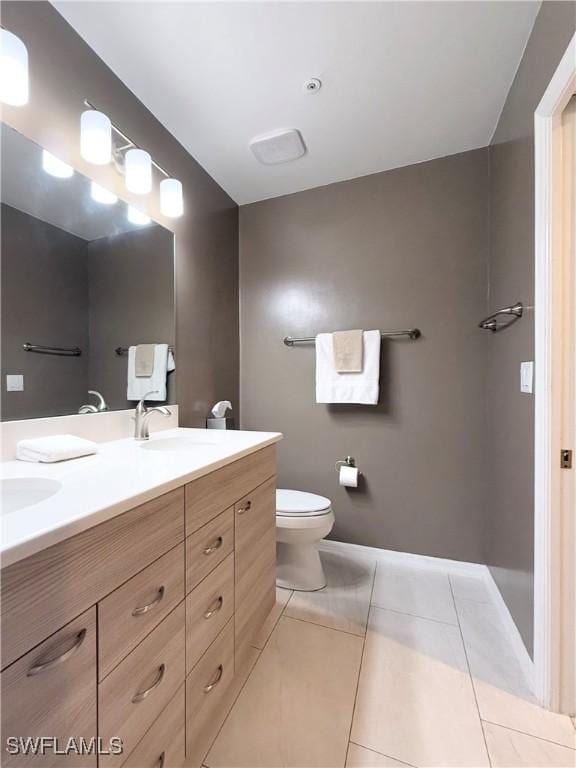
{"x":98,"y":408}
{"x":142,"y":415}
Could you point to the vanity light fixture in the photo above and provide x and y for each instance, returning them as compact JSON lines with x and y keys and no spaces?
{"x":102,"y":195}
{"x":13,"y":70}
{"x":95,"y":137}
{"x":131,"y":160}
{"x":56,"y":167}
{"x":171,"y":201}
{"x":138,"y":170}
{"x":137,"y":217}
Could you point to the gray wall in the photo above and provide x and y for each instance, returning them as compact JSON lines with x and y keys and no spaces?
{"x":392,"y":250}
{"x":65,"y":71}
{"x":44,"y":301}
{"x":509,"y":531}
{"x":131,"y":290}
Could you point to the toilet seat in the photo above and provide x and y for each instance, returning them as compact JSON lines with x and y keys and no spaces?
{"x":301,"y":504}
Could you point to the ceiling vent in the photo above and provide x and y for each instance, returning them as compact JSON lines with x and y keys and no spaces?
{"x":278,"y":147}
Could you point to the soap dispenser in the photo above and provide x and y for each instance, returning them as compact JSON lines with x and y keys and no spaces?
{"x":218,"y":418}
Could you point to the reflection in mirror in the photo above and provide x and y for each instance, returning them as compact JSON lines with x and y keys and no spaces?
{"x":81,"y":283}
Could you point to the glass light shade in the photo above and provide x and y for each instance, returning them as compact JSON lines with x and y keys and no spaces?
{"x":56,"y":167}
{"x":171,"y":201}
{"x":138,"y":168}
{"x":13,"y":70}
{"x":137,"y":217}
{"x":95,"y":137}
{"x":101,"y":195}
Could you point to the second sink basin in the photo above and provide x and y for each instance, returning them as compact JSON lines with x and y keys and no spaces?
{"x":21,"y":492}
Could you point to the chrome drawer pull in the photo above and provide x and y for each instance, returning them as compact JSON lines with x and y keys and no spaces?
{"x":214,"y":608}
{"x":217,"y":678}
{"x":246,"y":508}
{"x":141,"y":695}
{"x":161,"y":759}
{"x":213,"y":547}
{"x":141,"y":610}
{"x":44,"y":666}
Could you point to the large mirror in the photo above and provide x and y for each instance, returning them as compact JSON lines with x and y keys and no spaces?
{"x":81,"y":285}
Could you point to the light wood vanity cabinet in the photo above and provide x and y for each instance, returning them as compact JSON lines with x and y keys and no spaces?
{"x":255,"y":562}
{"x":43,"y":592}
{"x":134,"y":628}
{"x":208,"y":546}
{"x":136,"y":692}
{"x":51,"y":691}
{"x":132,"y":611}
{"x":208,"y":609}
{"x":164,"y":745}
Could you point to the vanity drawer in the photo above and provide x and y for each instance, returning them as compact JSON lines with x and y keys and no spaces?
{"x":208,"y":546}
{"x":215,"y":492}
{"x":51,"y":691}
{"x":47,"y":590}
{"x":164,"y":745}
{"x":255,"y":562}
{"x":134,"y":694}
{"x":132,"y":611}
{"x":208,"y":608}
{"x":206,"y":687}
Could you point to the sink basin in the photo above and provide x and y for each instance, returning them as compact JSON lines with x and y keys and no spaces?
{"x":178,"y":444}
{"x":20,"y":492}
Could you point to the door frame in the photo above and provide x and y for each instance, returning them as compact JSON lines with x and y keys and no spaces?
{"x":550,"y":603}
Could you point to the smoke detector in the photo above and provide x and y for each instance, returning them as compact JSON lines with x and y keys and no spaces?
{"x":278,"y":147}
{"x":312,"y":85}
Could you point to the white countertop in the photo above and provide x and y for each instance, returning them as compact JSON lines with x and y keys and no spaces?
{"x":120,"y":476}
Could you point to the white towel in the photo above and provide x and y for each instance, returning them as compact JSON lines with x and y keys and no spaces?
{"x":334,"y":387}
{"x":54,"y":448}
{"x":138,"y":386}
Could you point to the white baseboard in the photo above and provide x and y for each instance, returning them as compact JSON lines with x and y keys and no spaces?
{"x":514,"y":636}
{"x":418,"y":561}
{"x":450,"y":566}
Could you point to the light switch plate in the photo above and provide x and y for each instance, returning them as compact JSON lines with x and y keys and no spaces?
{"x":14,"y":382}
{"x":527,"y":377}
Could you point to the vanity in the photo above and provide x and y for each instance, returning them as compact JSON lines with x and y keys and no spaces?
{"x":133,"y":581}
{"x":129,"y":612}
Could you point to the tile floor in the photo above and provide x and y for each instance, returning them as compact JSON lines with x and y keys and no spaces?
{"x":390,"y":665}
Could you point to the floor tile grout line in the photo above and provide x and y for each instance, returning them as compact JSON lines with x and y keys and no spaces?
{"x":389,"y":757}
{"x":360,"y":665}
{"x":324,"y":626}
{"x":474,"y":692}
{"x":414,"y":615}
{"x":525,"y":733}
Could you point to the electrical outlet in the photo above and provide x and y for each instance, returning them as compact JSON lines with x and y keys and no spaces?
{"x":14,"y":382}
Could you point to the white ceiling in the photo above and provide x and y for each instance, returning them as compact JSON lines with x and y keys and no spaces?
{"x":403,"y":82}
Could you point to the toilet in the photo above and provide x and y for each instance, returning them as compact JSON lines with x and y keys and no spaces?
{"x":302,"y":521}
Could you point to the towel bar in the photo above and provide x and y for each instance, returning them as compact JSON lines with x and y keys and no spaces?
{"x":62,"y":351}
{"x":124,"y":350}
{"x":412,"y":333}
{"x":491,"y":323}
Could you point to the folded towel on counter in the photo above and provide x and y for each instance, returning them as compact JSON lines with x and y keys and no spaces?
{"x":361,"y":388}
{"x":54,"y":448}
{"x":348,"y":351}
{"x":144,"y":362}
{"x":139,"y":386}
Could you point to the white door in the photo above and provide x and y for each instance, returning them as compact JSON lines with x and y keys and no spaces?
{"x":566,"y":379}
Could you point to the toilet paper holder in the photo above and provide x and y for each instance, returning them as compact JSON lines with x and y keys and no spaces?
{"x":349,"y":461}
